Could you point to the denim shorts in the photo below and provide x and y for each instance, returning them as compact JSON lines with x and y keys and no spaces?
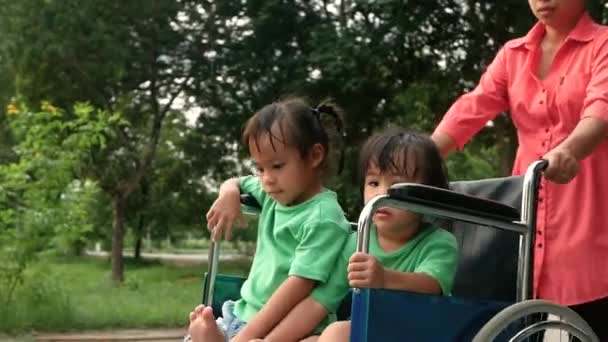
{"x":228,"y":324}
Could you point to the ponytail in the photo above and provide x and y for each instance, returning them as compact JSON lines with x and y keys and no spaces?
{"x":329,"y":108}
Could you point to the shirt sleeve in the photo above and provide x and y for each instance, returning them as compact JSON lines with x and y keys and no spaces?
{"x":251,"y":185}
{"x":320,"y":244}
{"x":596,"y":100}
{"x":473,"y":110}
{"x":440,"y":260}
{"x":332,"y":293}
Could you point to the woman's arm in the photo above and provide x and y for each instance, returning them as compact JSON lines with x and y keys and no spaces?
{"x":445,"y":143}
{"x":564,"y":158}
{"x":471,"y":112}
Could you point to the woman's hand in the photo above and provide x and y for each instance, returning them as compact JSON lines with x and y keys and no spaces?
{"x":563,"y":165}
{"x":225,"y":212}
{"x":365,"y":271}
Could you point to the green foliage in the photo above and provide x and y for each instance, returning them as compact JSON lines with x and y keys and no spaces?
{"x":41,"y":203}
{"x":388,"y":62}
{"x":74,"y":227}
{"x":470,"y":166}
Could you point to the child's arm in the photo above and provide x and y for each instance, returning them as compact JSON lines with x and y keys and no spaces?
{"x":324,"y":299}
{"x":433,"y":274}
{"x":291,"y":292}
{"x":299,"y":323}
{"x":226,"y":210}
{"x":413,"y":282}
{"x":319,"y":246}
{"x":365,"y":271}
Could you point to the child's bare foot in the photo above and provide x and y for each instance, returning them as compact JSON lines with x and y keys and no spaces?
{"x":203,"y":327}
{"x":198,"y":310}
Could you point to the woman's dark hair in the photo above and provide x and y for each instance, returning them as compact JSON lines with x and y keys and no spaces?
{"x":301,"y":126}
{"x":399,"y":150}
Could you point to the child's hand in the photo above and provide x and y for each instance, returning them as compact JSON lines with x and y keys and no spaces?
{"x":224,"y":214}
{"x":365,"y":271}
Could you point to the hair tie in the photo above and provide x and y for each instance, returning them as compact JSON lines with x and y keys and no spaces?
{"x":329,"y":111}
{"x":316,"y":112}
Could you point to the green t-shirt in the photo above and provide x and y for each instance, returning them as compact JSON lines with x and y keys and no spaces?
{"x":304,"y":240}
{"x":433,"y":251}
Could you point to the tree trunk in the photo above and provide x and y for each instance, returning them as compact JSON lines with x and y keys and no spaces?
{"x":118,"y":222}
{"x":139,"y":236}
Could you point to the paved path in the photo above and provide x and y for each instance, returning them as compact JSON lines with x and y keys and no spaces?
{"x":177,"y":258}
{"x":149,"y":335}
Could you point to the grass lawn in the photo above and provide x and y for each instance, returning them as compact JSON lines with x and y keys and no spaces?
{"x":63,"y":294}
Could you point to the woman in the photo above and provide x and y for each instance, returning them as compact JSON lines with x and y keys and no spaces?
{"x":554,"y":83}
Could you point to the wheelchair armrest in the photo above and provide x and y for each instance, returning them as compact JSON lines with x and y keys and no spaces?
{"x":455,"y":201}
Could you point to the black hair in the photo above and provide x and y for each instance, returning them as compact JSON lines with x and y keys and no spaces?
{"x":404,"y":151}
{"x":300,"y":125}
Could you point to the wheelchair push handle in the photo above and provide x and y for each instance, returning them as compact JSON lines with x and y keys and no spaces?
{"x":542,"y":165}
{"x":531,"y":185}
{"x":250,"y":206}
{"x":529,"y":199}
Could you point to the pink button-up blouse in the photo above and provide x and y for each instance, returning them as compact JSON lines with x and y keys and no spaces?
{"x":571,"y":251}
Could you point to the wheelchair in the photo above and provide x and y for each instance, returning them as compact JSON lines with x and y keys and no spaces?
{"x":491,"y":298}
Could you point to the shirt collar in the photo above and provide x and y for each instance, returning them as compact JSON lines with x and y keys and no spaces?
{"x":582,"y":32}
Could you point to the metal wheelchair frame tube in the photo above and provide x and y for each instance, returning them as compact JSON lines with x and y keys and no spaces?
{"x":546,"y":325}
{"x":525,"y":267}
{"x":521,"y":311}
{"x":214,"y":257}
{"x":526,"y":227}
{"x":209,"y":284}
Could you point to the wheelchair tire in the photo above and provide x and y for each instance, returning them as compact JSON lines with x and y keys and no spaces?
{"x":571,"y":321}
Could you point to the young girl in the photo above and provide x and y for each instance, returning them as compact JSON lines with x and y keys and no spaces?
{"x":302,"y":229}
{"x":405,"y":252}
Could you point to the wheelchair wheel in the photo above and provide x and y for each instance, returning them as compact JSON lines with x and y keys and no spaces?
{"x":536,"y":320}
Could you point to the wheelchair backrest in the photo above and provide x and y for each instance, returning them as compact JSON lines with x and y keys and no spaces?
{"x":487,"y":267}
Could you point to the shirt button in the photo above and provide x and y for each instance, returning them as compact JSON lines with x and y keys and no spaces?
{"x":541,"y":102}
{"x":539,"y":232}
{"x":546,"y":130}
{"x":544,"y":90}
{"x":540,"y":245}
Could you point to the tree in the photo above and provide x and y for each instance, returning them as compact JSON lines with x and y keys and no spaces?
{"x":173,"y":197}
{"x":135,"y":58}
{"x":380,"y":60}
{"x":40,"y":202}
